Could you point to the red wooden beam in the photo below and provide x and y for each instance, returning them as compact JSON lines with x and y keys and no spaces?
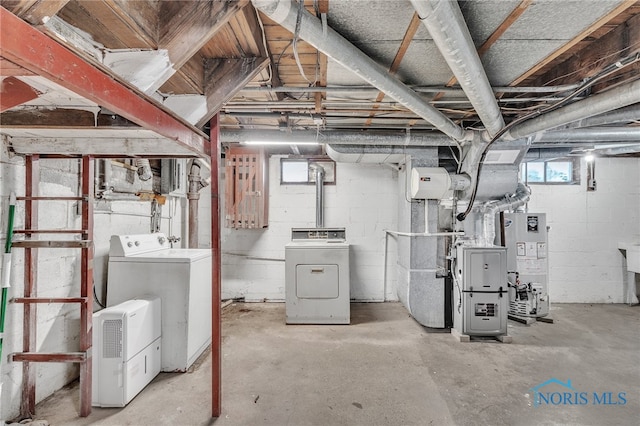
{"x":216,"y":282}
{"x":14,"y":92}
{"x":35,"y":51}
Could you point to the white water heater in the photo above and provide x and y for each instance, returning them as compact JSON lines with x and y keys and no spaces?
{"x":126,"y":350}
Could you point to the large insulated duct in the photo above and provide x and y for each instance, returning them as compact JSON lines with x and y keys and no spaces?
{"x":620,"y":115}
{"x":377,"y":139}
{"x":621,"y":96}
{"x":332,"y":44}
{"x":338,"y":137}
{"x":444,"y":21}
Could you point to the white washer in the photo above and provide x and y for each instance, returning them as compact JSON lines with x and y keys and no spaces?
{"x":146,"y":264}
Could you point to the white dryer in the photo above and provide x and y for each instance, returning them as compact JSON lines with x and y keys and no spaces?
{"x":317,"y":277}
{"x":146,"y":264}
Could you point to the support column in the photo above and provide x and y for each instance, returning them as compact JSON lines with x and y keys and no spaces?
{"x":216,"y":282}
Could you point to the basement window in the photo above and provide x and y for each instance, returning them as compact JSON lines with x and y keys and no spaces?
{"x":300,"y":171}
{"x":554,"y":172}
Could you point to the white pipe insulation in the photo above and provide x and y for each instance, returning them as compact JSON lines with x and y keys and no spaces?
{"x":444,"y":21}
{"x":332,"y":44}
{"x":621,"y":96}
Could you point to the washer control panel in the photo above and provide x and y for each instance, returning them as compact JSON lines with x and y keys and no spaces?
{"x":128,"y":245}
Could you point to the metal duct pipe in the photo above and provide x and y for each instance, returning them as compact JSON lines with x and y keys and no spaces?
{"x":489,"y":209}
{"x":621,"y":96}
{"x":619,"y":150}
{"x":332,"y":44}
{"x":319,"y":195}
{"x":621,"y":115}
{"x":444,"y":21}
{"x":590,"y":134}
{"x":343,"y":137}
{"x":418,"y":138}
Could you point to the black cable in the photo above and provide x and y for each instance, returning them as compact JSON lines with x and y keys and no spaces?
{"x":95,"y":297}
{"x":608,"y":70}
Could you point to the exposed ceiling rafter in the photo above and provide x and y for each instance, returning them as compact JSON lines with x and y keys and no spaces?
{"x":33,"y":50}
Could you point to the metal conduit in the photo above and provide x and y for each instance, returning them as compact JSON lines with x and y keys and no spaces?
{"x":332,"y":44}
{"x":444,"y":21}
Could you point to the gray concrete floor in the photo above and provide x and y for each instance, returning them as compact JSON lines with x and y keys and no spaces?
{"x":385,"y":369}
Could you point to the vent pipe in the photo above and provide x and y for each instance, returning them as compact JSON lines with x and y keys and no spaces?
{"x":491,"y":208}
{"x":319,"y":171}
{"x":310,"y":29}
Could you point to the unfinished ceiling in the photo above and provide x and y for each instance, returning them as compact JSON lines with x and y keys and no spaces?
{"x":376,"y":67}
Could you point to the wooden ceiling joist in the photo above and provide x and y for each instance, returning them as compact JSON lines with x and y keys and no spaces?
{"x":414,"y":24}
{"x":62,"y":118}
{"x":623,"y":41}
{"x":116,"y":24}
{"x":187,"y":26}
{"x":225,"y":78}
{"x":573,"y":42}
{"x":35,"y":51}
{"x":34,"y":11}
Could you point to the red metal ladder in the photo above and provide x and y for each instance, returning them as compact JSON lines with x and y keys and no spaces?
{"x":31,"y":243}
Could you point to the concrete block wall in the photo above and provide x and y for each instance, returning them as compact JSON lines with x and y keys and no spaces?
{"x":57,"y":273}
{"x":363,"y":200}
{"x":59,"y":269}
{"x":585,"y":265}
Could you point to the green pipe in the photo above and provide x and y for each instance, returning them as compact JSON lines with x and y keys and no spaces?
{"x":6,"y":268}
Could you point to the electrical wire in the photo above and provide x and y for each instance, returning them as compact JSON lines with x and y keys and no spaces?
{"x":610,"y":69}
{"x":296,"y":35}
{"x":95,"y":297}
{"x":266,"y":49}
{"x":593,"y":64}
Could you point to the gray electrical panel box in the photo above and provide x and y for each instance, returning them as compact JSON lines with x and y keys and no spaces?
{"x":480,"y":291}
